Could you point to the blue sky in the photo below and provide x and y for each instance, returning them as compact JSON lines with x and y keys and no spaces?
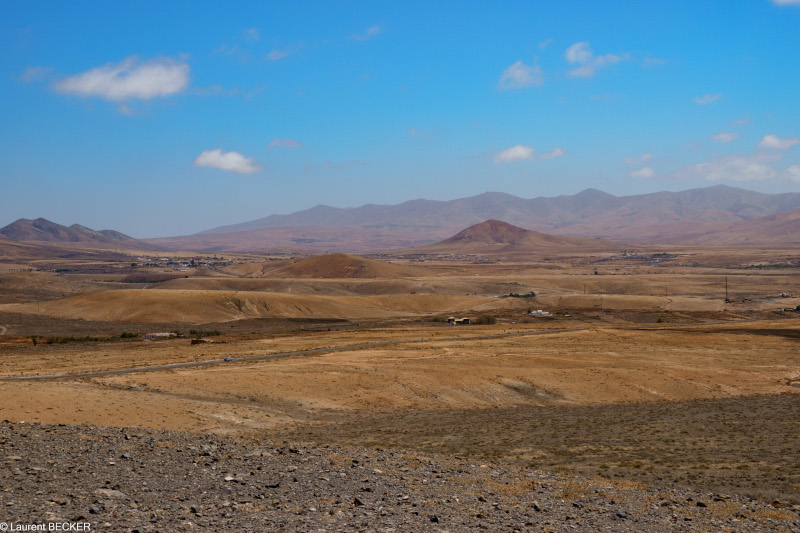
{"x":167,"y":118}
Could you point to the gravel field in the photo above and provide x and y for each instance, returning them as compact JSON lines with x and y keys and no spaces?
{"x":130,"y":479}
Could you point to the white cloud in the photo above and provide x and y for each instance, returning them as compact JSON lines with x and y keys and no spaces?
{"x":725,"y":136}
{"x":517,"y":152}
{"x":773,"y":142}
{"x":557,"y":152}
{"x":581,"y":54}
{"x":129,"y":79}
{"x":32,"y":74}
{"x":740,"y":122}
{"x":643,"y":173}
{"x":637,"y":159}
{"x":229,"y":161}
{"x":519,"y":75}
{"x":735,"y":167}
{"x":785,"y":2}
{"x":544,"y":44}
{"x":284,"y":143}
{"x":707,"y":98}
{"x":792,"y":173}
{"x":276,"y":55}
{"x":371,"y":32}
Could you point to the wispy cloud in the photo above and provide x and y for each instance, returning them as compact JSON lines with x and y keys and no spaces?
{"x":725,"y":136}
{"x":707,"y":98}
{"x":228,"y":161}
{"x":643,"y":173}
{"x":518,"y":152}
{"x":370,"y":32}
{"x":130,"y":79}
{"x":34,"y":74}
{"x":786,"y":2}
{"x":276,"y":55}
{"x":773,"y":142}
{"x":284,"y":143}
{"x":544,"y":44}
{"x":519,"y":75}
{"x":632,"y":160}
{"x":653,"y":62}
{"x":557,"y":152}
{"x":251,"y":35}
{"x":581,"y":54}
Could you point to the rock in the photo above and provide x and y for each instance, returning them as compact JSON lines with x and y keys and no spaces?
{"x":113,"y":494}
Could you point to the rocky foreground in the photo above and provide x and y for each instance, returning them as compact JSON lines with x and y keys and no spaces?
{"x":139,"y":480}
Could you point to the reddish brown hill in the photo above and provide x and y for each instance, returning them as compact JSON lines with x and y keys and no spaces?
{"x":341,"y":266}
{"x":495,"y":236}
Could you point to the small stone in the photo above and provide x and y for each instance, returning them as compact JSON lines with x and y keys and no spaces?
{"x":434,"y":519}
{"x":357,"y":501}
{"x":701,"y":504}
{"x":110,"y":493}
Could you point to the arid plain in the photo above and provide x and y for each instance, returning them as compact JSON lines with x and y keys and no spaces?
{"x":643,"y":370}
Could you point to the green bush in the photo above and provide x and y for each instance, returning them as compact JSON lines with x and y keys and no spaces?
{"x":128,"y":335}
{"x":486,"y":319}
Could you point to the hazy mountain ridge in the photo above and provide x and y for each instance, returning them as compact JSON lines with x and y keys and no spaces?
{"x":588,"y":213}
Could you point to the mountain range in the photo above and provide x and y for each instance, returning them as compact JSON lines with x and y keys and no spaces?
{"x":43,"y":230}
{"x":577,"y":214}
{"x":685,"y":217}
{"x":719,"y":214}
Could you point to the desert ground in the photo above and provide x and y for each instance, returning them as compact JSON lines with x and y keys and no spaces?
{"x":675,"y":368}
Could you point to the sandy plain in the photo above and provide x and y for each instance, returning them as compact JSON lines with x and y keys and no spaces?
{"x":644,"y":371}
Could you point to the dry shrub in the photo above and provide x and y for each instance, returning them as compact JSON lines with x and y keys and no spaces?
{"x":574,"y":489}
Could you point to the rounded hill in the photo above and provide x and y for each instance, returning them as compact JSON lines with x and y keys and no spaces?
{"x":495,"y":236}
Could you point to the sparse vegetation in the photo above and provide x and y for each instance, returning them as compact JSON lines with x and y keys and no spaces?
{"x":523,"y":295}
{"x":73,"y":339}
{"x":486,"y":319}
{"x":204,"y":333}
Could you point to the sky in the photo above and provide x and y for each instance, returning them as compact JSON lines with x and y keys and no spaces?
{"x":168,"y":118}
